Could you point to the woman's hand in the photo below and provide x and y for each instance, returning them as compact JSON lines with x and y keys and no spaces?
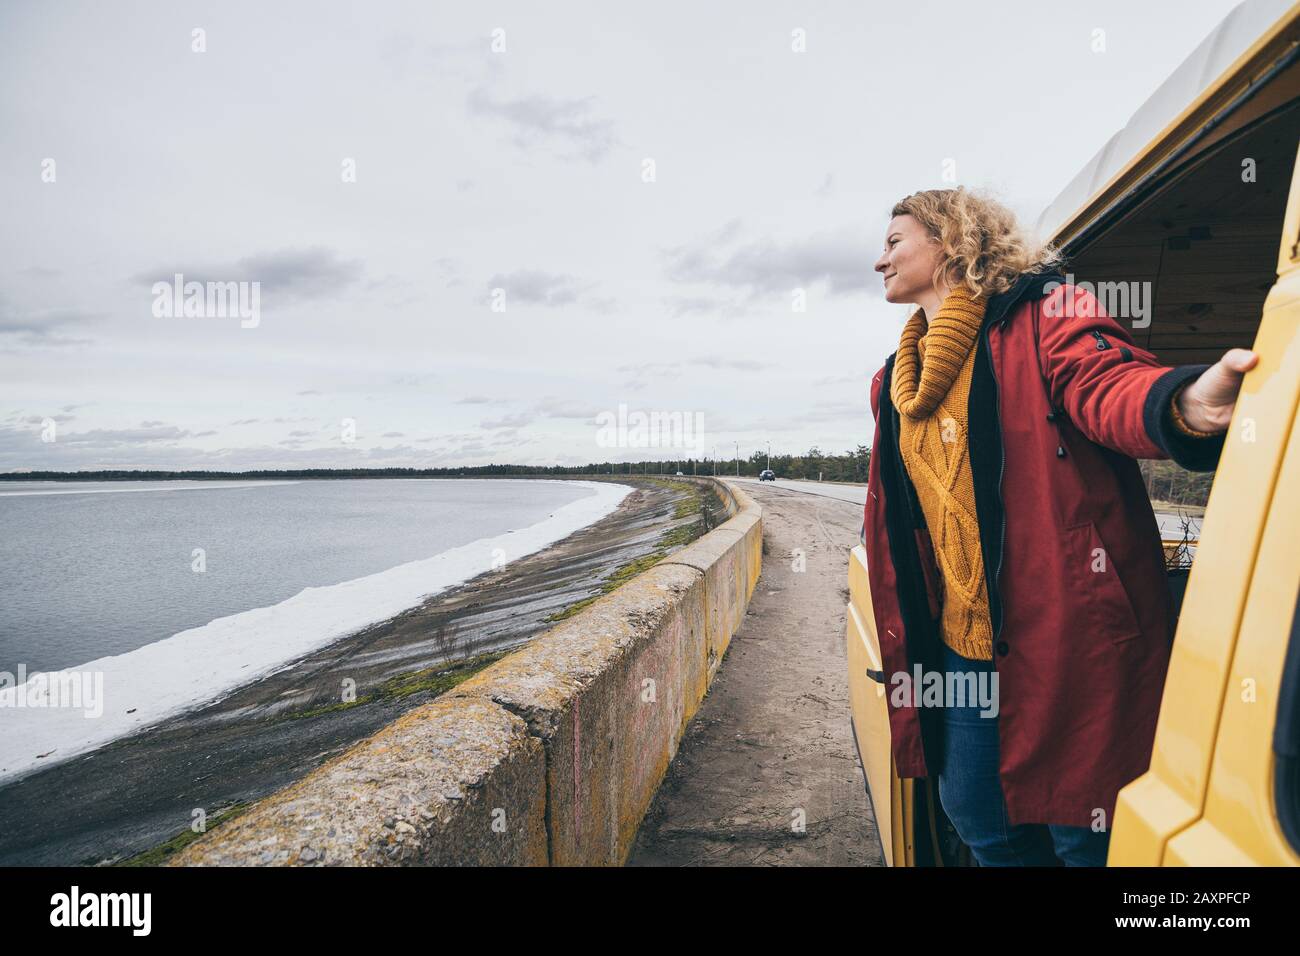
{"x":1207,"y":402}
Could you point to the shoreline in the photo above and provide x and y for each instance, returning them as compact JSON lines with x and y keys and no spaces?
{"x":200,"y":665}
{"x":138,"y":791}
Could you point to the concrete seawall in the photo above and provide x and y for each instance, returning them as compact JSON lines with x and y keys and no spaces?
{"x":550,"y":756}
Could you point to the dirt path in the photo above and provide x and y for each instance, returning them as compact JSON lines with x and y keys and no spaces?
{"x":771,"y":745}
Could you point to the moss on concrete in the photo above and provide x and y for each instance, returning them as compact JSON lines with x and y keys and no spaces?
{"x":676,"y":537}
{"x":436,"y":680}
{"x":680,"y":536}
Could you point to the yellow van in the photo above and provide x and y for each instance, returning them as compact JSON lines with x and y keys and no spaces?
{"x":1198,"y":195}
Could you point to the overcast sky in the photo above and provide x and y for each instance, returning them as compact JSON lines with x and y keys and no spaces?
{"x":521,"y":169}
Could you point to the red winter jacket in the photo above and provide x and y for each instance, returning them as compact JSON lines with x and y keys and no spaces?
{"x":1080,"y":654}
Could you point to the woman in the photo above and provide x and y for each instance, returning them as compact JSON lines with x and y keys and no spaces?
{"x":1008,"y":530}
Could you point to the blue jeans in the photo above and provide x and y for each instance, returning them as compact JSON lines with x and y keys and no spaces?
{"x":971,"y":793}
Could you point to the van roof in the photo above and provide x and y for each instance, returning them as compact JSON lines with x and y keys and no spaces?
{"x":1246,"y":41}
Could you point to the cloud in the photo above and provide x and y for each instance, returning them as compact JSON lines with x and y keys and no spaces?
{"x":707,"y":361}
{"x":853,"y":378}
{"x":39,"y":323}
{"x":547,"y":119}
{"x":148,"y":432}
{"x":21,"y":449}
{"x":517,"y":420}
{"x":604,"y":304}
{"x":837,"y":258}
{"x":287,"y":275}
{"x":742,"y":365}
{"x":465,"y":60}
{"x":685,"y":305}
{"x":540,"y":288}
{"x":418,"y":380}
{"x":548,"y":407}
{"x":566,"y":408}
{"x":311,"y":273}
{"x":451,"y":270}
{"x":851,"y":416}
{"x":644,"y":374}
{"x":41,"y":327}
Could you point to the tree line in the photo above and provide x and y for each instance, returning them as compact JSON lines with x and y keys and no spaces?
{"x":1165,"y":481}
{"x":848,"y":466}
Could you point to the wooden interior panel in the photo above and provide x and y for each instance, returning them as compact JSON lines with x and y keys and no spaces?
{"x":1207,"y":240}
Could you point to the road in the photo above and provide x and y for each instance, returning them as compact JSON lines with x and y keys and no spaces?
{"x":767,"y":773}
{"x":1170,"y":523}
{"x":827,"y":489}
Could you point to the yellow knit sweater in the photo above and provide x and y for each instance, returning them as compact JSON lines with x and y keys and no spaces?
{"x":930,"y":388}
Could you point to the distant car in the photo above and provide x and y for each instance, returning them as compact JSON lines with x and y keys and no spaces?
{"x":680,"y":475}
{"x":767,"y":474}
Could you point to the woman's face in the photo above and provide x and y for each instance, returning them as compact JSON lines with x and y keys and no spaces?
{"x":909,"y":260}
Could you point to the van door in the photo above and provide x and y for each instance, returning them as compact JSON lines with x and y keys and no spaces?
{"x":1246,"y":800}
{"x":1236,"y":617}
{"x":870,"y":716}
{"x":1240,"y":826}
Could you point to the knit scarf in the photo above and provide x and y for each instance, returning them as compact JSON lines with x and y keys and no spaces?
{"x":925,"y":370}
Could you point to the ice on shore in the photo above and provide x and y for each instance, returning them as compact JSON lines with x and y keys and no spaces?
{"x":199,"y":665}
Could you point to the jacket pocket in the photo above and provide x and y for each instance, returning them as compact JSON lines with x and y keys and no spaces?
{"x":1109,"y":611}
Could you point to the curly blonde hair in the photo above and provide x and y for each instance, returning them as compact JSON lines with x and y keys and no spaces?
{"x":984,"y":247}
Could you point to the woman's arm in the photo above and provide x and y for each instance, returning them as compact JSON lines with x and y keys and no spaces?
{"x":1122,"y":397}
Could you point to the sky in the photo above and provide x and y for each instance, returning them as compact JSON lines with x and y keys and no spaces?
{"x":483,"y":232}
